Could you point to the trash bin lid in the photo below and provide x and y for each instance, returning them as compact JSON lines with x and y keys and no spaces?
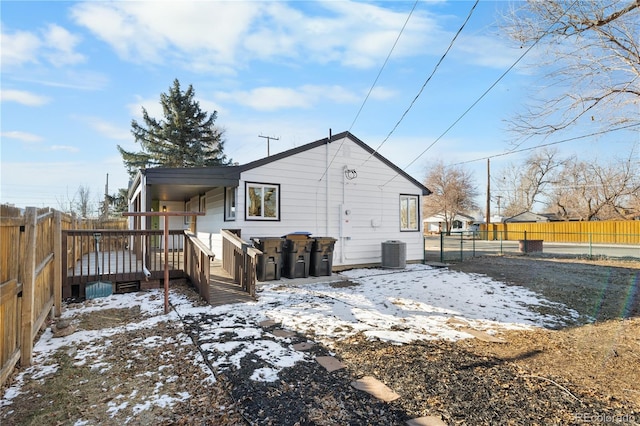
{"x":297,"y":235}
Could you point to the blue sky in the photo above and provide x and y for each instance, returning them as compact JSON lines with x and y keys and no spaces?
{"x":74,"y":75}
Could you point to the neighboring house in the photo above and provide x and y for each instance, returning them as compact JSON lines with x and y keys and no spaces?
{"x":532,"y":217}
{"x":335,"y":187}
{"x":461,"y":223}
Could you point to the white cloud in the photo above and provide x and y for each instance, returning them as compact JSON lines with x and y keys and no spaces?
{"x":218,"y":36}
{"x":66,"y":148}
{"x":276,"y":98}
{"x":149,"y":31}
{"x":382,"y":93}
{"x":19,"y":48}
{"x":54,"y":44}
{"x":22,"y":97}
{"x":109,"y":130}
{"x":487,"y":52}
{"x":21,"y":136}
{"x":62,"y":45}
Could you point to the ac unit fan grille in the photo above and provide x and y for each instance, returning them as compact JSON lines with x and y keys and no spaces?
{"x":394,"y":254}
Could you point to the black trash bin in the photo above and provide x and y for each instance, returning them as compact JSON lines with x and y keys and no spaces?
{"x":269,"y":263}
{"x":297,"y":255}
{"x":322,"y":256}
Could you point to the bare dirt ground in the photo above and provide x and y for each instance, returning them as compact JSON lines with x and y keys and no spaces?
{"x":585,"y":374}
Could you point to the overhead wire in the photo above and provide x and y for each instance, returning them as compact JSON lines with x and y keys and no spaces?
{"x":404,"y":114}
{"x":548,"y":144}
{"x":535,"y":43}
{"x":373,"y":85}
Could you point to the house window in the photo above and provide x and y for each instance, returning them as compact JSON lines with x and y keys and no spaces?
{"x":230,"y":197}
{"x":409,"y":213}
{"x":262,"y":201}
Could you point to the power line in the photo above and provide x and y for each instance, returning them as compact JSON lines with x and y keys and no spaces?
{"x":549,"y":144}
{"x":373,"y":85}
{"x":426,"y":81}
{"x":535,"y":43}
{"x":383,"y":65}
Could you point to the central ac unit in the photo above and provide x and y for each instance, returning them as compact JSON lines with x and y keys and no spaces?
{"x":394,"y":254}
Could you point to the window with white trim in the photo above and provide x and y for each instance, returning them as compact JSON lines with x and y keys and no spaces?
{"x":230,"y":199}
{"x":409,"y":213}
{"x":262,"y":201}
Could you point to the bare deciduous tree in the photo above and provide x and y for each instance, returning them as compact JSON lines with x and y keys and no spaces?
{"x":592,"y":50}
{"x":80,"y":203}
{"x":521,"y":186}
{"x":589,"y":191}
{"x":83,"y":206}
{"x":453,"y":192}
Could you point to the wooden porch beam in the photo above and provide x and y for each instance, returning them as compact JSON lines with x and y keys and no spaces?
{"x":166,"y":244}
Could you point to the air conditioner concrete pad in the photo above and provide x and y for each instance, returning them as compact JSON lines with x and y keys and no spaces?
{"x":376,"y":388}
{"x":330,"y":363}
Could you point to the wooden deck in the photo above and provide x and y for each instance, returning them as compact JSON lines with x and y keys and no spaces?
{"x":222,"y":289}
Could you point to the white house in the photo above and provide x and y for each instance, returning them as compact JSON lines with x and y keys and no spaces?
{"x":335,"y":187}
{"x":460,"y":223}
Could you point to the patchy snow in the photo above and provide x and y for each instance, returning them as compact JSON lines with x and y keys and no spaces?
{"x":399,"y":306}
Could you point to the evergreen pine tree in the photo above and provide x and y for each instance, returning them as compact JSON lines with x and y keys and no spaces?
{"x":185,"y":137}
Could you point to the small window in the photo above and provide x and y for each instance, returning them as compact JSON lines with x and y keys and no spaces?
{"x":409,"y":213}
{"x":230,"y":199}
{"x":262,"y":201}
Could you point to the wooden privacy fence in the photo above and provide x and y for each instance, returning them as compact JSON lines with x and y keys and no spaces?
{"x":29,"y":281}
{"x":605,"y":232}
{"x":239,"y":260}
{"x":31,"y":276}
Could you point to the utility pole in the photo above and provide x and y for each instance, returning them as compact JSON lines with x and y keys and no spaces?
{"x":488,"y":194}
{"x":105,"y":208}
{"x":268,"y":138}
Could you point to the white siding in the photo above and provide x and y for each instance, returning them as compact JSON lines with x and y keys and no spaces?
{"x":208,"y":229}
{"x":372,"y":199}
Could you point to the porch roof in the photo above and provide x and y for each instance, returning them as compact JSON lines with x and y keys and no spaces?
{"x":167,"y":184}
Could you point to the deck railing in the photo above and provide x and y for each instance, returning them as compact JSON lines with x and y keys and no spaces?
{"x":198,"y":260}
{"x":118,"y":256}
{"x":239,"y":260}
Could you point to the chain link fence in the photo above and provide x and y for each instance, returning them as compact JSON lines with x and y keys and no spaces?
{"x":464,"y":245}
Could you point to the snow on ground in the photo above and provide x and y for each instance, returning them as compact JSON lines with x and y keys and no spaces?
{"x":417,"y":303}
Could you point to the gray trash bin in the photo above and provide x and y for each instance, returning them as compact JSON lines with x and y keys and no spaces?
{"x":322,"y":256}
{"x":269,"y":263}
{"x":297,"y":255}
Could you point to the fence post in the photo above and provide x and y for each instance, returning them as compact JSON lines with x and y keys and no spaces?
{"x":441,"y":247}
{"x":526,"y":246}
{"x":57,"y":265}
{"x":461,"y":248}
{"x":28,"y":287}
{"x":590,"y":246}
